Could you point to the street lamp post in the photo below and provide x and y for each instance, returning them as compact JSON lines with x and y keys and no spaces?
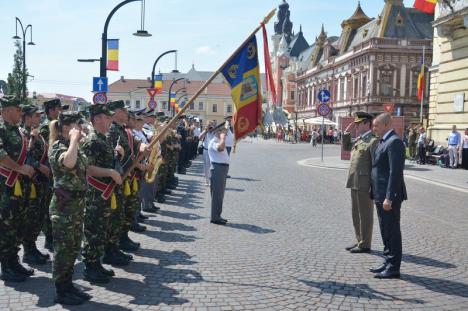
{"x":16,"y":37}
{"x":170,"y":91}
{"x":153,"y":72}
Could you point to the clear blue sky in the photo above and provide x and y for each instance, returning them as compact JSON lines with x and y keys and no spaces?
{"x":205,"y":32}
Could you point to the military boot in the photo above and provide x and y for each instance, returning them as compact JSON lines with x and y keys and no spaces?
{"x":93,"y":274}
{"x":108,"y":272}
{"x":136,"y":227}
{"x":10,"y":275}
{"x":127,"y":244}
{"x":64,"y":295}
{"x":123,"y":255}
{"x":112,"y":258}
{"x":18,"y":267}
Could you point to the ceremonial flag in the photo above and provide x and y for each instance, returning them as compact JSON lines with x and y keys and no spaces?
{"x":243,"y":75}
{"x":113,"y":54}
{"x":173,"y":99}
{"x":158,"y":83}
{"x":421,"y":83}
{"x":426,"y":6}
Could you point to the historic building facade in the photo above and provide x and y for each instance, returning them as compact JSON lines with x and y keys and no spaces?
{"x":449,"y":71}
{"x":374,"y":62}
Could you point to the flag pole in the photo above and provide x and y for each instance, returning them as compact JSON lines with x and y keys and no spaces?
{"x":203,"y":87}
{"x":423,"y":86}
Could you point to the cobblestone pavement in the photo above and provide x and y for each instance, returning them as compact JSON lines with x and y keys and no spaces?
{"x":282,"y":250}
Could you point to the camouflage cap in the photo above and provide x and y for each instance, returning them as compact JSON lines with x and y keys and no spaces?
{"x":56,"y":102}
{"x":95,"y":110}
{"x":117,"y":104}
{"x":10,"y":101}
{"x":361,"y":116}
{"x":29,"y":109}
{"x":69,"y":117}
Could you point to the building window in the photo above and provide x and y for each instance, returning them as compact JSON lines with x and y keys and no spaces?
{"x":292,"y":95}
{"x":215,"y":107}
{"x":386,"y":78}
{"x":365,"y":87}
{"x":342,"y":84}
{"x":356,"y":88}
{"x":229,"y":109}
{"x":164,"y":105}
{"x":200,"y":106}
{"x":192,"y":106}
{"x":137,"y":104}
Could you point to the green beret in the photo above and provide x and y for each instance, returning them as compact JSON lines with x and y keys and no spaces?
{"x":30,"y":109}
{"x":95,"y":110}
{"x":117,"y":104}
{"x":10,"y":101}
{"x":69,"y":117}
{"x":362,"y":116}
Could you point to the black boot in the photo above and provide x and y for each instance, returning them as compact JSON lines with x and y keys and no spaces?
{"x":150,"y":209}
{"x":160,"y":198}
{"x":16,"y":266}
{"x":32,"y":256}
{"x":123,"y":255}
{"x":64,"y":295}
{"x":136,"y":227}
{"x":167,"y":191}
{"x":77,"y":291}
{"x":112,"y":258}
{"x":108,"y":272}
{"x":93,"y":274}
{"x":10,"y":275}
{"x":48,"y":244}
{"x":142,"y":217}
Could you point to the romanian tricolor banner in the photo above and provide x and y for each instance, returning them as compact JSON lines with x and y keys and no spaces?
{"x":173,"y":99}
{"x":243,"y":75}
{"x":421,"y":83}
{"x":113,"y":54}
{"x":158,"y":83}
{"x":426,"y":6}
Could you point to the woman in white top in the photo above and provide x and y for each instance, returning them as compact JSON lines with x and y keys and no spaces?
{"x":206,"y":137}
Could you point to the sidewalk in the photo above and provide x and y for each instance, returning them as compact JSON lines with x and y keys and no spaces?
{"x":434,"y":174}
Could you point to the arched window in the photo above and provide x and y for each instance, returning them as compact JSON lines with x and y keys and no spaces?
{"x":386,"y":81}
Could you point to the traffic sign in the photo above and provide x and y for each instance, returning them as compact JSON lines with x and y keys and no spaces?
{"x":323,"y":109}
{"x":152,"y":92}
{"x":324,"y":96}
{"x":100,"y":84}
{"x":388,"y":107}
{"x":151,"y":104}
{"x":100,"y":99}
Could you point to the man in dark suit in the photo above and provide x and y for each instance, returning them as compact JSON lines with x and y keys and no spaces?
{"x":388,"y":191}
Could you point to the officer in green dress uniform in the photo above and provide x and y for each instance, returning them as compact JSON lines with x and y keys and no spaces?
{"x":359,"y":179}
{"x":68,"y":164}
{"x":13,"y":153}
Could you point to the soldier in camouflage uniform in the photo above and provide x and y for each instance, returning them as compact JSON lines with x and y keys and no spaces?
{"x":100,"y":198}
{"x":117,"y":226}
{"x":13,"y":150}
{"x":68,"y":164}
{"x":52,"y":109}
{"x":35,"y":211}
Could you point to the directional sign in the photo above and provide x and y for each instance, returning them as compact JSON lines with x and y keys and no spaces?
{"x":151,"y":104}
{"x":100,"y":99}
{"x":324,"y":96}
{"x":323,"y":109}
{"x":152,"y":92}
{"x":99,"y":84}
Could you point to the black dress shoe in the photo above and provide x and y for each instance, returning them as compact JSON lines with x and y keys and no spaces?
{"x":359,"y":250}
{"x":388,"y":274}
{"x":378,"y":269}
{"x":218,"y":222}
{"x":350,"y":247}
{"x":152,"y":210}
{"x":224,"y":220}
{"x":137,"y":228}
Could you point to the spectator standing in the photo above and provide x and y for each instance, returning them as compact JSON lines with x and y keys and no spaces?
{"x":313,"y":138}
{"x":454,"y":143}
{"x":412,"y":138}
{"x":465,"y":150}
{"x":422,"y":142}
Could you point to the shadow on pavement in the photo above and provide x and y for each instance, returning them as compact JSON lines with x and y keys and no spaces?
{"x":175,"y":257}
{"x":179,"y":215}
{"x":250,"y":228}
{"x":451,"y":288}
{"x":170,"y":236}
{"x":244,"y":178}
{"x":235,"y":189}
{"x":419,"y":260}
{"x":354,"y":290}
{"x":169,"y":226}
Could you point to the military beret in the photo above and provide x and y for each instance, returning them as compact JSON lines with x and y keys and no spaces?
{"x":10,"y":101}
{"x":362,"y":116}
{"x":95,"y":110}
{"x":117,"y":104}
{"x":30,"y":109}
{"x":69,"y":117}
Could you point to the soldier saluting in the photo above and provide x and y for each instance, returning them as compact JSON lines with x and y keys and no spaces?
{"x":13,"y":152}
{"x":359,"y":179}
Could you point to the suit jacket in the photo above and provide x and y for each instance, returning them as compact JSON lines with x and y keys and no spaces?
{"x":387,"y":170}
{"x":359,"y":173}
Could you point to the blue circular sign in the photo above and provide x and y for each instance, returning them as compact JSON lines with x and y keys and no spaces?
{"x":324,"y":96}
{"x":323,"y":110}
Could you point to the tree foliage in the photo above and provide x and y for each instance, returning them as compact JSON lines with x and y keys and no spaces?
{"x":15,"y":78}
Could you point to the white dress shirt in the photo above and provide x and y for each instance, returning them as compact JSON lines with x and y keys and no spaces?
{"x":208,"y":137}
{"x":229,"y":138}
{"x":141,"y":136}
{"x":215,"y":155}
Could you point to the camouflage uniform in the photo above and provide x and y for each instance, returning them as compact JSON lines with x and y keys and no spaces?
{"x":46,"y":195}
{"x":66,"y":210}
{"x":100,"y":153}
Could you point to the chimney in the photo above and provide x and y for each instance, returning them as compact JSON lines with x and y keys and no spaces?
{"x":122,"y":79}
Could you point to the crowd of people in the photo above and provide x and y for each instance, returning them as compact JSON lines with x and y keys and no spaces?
{"x":83,"y":178}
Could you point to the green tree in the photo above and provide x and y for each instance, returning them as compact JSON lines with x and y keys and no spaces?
{"x":15,"y":78}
